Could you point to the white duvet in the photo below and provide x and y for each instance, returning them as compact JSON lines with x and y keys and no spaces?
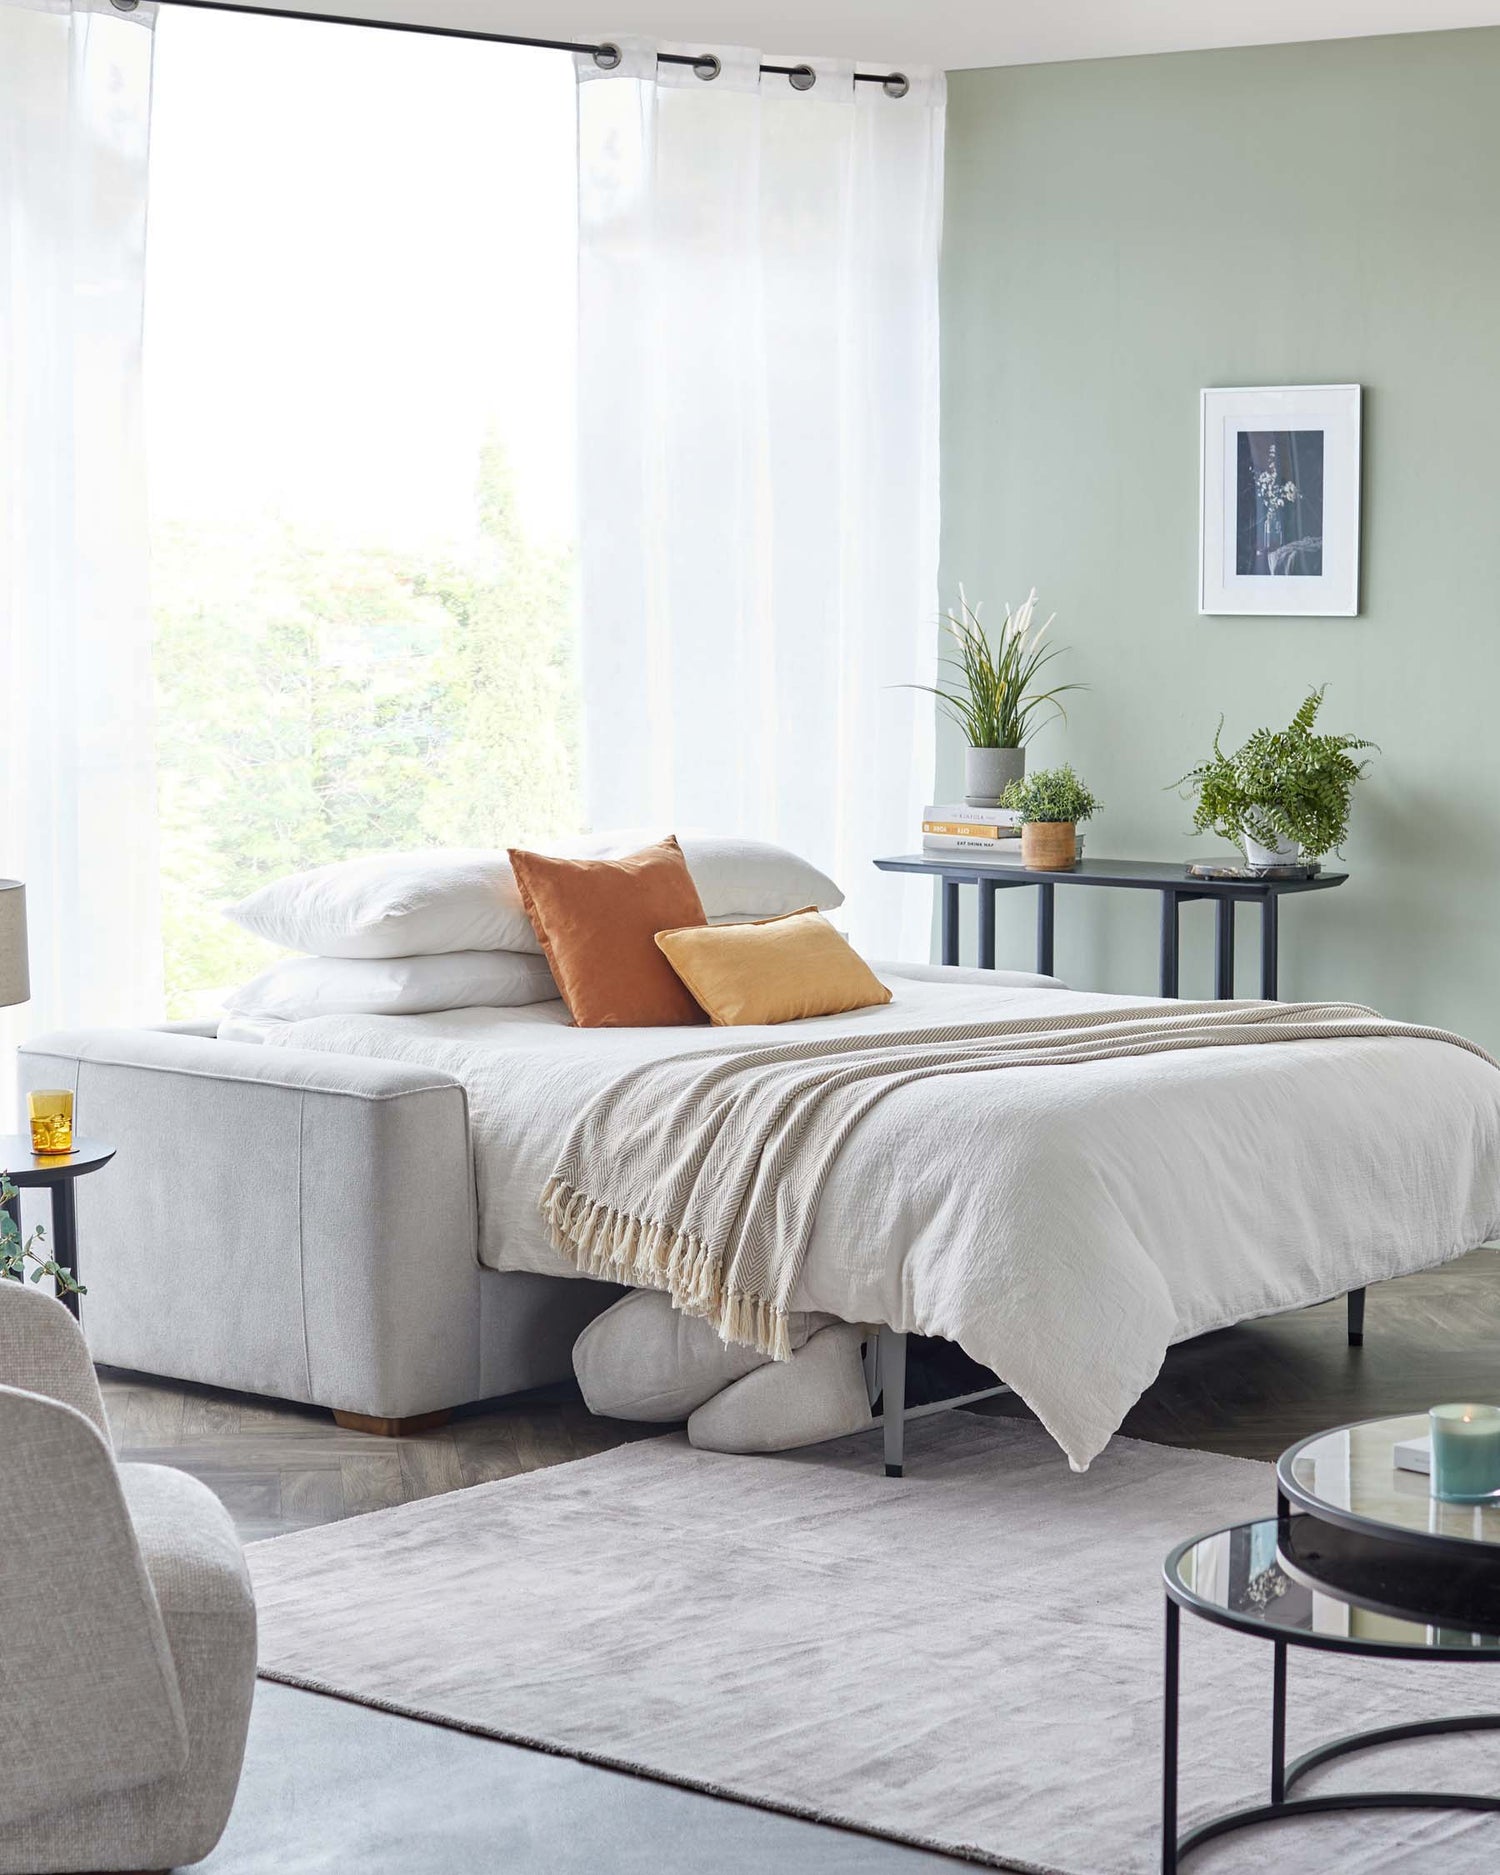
{"x":1064,"y":1225}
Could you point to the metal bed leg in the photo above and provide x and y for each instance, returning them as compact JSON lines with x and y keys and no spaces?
{"x":893,"y":1398}
{"x":1356,"y":1318}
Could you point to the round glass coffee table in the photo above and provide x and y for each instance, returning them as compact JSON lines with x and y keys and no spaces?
{"x":1368,"y":1565}
{"x":1349,"y":1477}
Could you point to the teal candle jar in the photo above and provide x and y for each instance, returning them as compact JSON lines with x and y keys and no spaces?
{"x":1465,"y":1453}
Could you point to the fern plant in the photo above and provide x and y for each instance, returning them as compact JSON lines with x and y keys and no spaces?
{"x":1051,"y":794}
{"x":997,"y":704}
{"x":1283,"y":785}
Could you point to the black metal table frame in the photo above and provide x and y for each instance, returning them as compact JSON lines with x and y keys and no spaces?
{"x":1172,"y":898}
{"x":1283,"y":1775}
{"x":1226,"y":894}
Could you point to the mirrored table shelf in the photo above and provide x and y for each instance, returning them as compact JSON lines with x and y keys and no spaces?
{"x":1349,"y":1477}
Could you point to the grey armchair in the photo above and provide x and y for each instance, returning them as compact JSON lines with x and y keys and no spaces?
{"x":127,"y":1627}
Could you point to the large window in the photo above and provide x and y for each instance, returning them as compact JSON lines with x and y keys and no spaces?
{"x":360,"y":370}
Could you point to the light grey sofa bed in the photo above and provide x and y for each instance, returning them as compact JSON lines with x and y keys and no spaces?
{"x":295,"y":1224}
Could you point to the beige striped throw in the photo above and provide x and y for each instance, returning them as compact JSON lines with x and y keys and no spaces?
{"x":700,"y":1174}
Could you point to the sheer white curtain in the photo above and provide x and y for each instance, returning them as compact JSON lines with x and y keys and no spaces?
{"x":758,"y":461}
{"x":78,"y":816}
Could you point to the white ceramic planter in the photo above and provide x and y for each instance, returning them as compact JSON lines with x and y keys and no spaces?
{"x":1285,"y":853}
{"x":989,"y":772}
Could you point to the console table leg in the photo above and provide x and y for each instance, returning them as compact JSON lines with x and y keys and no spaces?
{"x":1169,"y":943}
{"x":1224,"y":949}
{"x":13,"y":1212}
{"x":950,"y":921}
{"x":1268,"y":946}
{"x":1278,"y":1723}
{"x":1169,"y":1748}
{"x":1044,"y":929}
{"x":65,"y":1240}
{"x":987,"y":890}
{"x":1356,"y":1318}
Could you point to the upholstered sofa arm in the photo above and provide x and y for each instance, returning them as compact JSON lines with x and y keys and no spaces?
{"x":278,"y":1220}
{"x":191,"y":1052}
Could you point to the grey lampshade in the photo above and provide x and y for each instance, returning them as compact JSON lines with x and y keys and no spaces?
{"x":15,"y":973}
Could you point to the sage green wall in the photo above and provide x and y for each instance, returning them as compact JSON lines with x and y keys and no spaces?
{"x":1120,"y":234}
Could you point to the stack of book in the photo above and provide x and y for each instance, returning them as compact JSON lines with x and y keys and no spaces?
{"x":992,"y":833}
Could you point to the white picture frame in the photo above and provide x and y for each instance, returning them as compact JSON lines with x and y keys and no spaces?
{"x":1279,"y":498}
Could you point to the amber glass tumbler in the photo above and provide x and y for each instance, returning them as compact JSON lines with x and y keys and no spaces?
{"x":51,"y":1121}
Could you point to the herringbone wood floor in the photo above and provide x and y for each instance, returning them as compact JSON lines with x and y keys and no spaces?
{"x":1249,"y":1390}
{"x":283,"y":1467}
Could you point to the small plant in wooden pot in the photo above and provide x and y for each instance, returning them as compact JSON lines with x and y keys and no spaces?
{"x":1051,"y":804}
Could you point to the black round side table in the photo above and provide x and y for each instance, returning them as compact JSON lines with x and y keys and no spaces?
{"x":1297,"y":1581}
{"x":55,"y":1171}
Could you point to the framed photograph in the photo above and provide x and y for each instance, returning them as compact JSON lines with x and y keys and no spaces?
{"x":1279,"y":484}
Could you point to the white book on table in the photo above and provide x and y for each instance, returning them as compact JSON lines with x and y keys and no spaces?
{"x":971,"y":843}
{"x":1413,"y":1455}
{"x":944,"y":819}
{"x":1006,"y":852}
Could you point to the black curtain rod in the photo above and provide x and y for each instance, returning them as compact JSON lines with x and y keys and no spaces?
{"x":606,"y":56}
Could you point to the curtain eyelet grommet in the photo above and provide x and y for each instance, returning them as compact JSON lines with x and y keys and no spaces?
{"x":707,"y":68}
{"x":802,"y":78}
{"x":896,"y":86}
{"x":125,"y":6}
{"x":607,"y":57}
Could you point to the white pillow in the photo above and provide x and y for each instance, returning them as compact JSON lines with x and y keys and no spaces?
{"x":393,"y":986}
{"x":736,"y":879}
{"x":422,"y":904}
{"x":644,"y":1359}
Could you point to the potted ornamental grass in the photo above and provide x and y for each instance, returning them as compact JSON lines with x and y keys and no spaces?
{"x":995,"y":696}
{"x":1283,"y":797}
{"x":1051,"y":806}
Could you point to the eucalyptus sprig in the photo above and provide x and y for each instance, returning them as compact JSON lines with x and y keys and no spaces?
{"x":1051,"y":794}
{"x":15,"y":1255}
{"x":997,"y":704}
{"x":1283,"y":785}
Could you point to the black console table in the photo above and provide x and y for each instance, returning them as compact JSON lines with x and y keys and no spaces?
{"x":1171,"y":879}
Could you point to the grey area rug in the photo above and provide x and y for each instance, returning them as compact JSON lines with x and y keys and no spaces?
{"x":967,"y":1659}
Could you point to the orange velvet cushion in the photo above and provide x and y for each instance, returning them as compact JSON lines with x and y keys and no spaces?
{"x":597,"y":920}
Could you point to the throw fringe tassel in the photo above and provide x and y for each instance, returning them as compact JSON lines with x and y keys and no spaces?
{"x":649,"y":1254}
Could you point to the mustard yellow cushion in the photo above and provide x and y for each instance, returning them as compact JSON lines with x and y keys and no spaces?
{"x":776,"y":970}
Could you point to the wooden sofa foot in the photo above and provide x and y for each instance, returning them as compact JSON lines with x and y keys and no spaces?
{"x":384,"y":1428}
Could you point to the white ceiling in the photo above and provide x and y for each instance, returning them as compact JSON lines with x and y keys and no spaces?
{"x":948,"y":33}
